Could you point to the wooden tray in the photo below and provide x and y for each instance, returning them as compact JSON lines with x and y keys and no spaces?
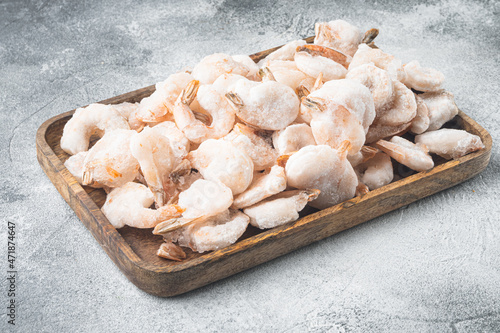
{"x":134,"y":250}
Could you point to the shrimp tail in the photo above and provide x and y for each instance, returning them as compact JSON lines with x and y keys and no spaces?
{"x":189,"y":93}
{"x":169,"y":250}
{"x":370,"y":35}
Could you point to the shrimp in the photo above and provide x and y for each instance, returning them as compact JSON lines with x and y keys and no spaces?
{"x":315,"y":59}
{"x":286,"y":72}
{"x":379,"y":131}
{"x":74,"y":164}
{"x":213,"y":66}
{"x":285,"y":52}
{"x":268,"y":105}
{"x":293,"y":138}
{"x":178,"y":142}
{"x":246,"y":139}
{"x":377,"y":80}
{"x":354,"y":96}
{"x":280,"y":209}
{"x":203,"y":199}
{"x":376,"y":171}
{"x":442,"y":108}
{"x":225,"y":82}
{"x":93,"y":119}
{"x":220,"y":160}
{"x":157,"y":160}
{"x":422,"y":78}
{"x":110,"y":162}
{"x":253,"y":68}
{"x":263,"y":185}
{"x":169,"y":250}
{"x":401,"y":110}
{"x":326,"y":169}
{"x":420,"y":123}
{"x":214,"y":103}
{"x":129,"y":205}
{"x":156,"y":107}
{"x":338,"y":35}
{"x":450,"y":143}
{"x":129,"y":111}
{"x":365,"y":54}
{"x":213,"y":233}
{"x":414,"y":156}
{"x":337,"y":126}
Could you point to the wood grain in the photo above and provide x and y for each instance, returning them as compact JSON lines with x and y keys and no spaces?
{"x":133,"y":250}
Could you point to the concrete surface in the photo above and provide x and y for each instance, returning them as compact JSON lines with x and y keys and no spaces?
{"x":432,"y":266}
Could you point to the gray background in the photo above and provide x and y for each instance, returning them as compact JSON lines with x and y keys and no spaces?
{"x":431,"y":266}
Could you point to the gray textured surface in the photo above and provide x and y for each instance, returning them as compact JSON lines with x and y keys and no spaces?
{"x":432,"y":266}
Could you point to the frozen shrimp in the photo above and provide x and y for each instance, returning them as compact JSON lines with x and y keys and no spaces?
{"x":225,"y":82}
{"x":220,"y":160}
{"x":422,"y":78}
{"x":156,"y":107}
{"x":421,"y":122}
{"x":376,"y":171}
{"x":450,"y":143}
{"x":339,"y":35}
{"x":366,"y":153}
{"x":365,"y":54}
{"x":323,"y":168}
{"x":263,"y":185}
{"x":129,"y":112}
{"x":213,"y":66}
{"x":286,"y":72}
{"x":169,"y":250}
{"x":129,"y":205}
{"x":110,"y":162}
{"x":156,"y":158}
{"x":245,"y":138}
{"x":377,"y":80}
{"x":378,"y":130}
{"x":213,"y":233}
{"x":74,"y":164}
{"x":280,"y":209}
{"x":315,"y":59}
{"x":178,"y":142}
{"x":214,"y":103}
{"x":285,"y":52}
{"x":93,"y":119}
{"x":203,"y":199}
{"x":414,"y":156}
{"x":253,"y":68}
{"x":442,"y":108}
{"x":268,"y":105}
{"x":293,"y":138}
{"x":401,"y":110}
{"x":339,"y":125}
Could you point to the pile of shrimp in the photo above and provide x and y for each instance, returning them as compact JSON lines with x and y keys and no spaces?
{"x":234,"y":142}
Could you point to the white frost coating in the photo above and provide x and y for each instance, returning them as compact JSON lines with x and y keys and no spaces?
{"x":95,"y":118}
{"x":414,"y":156}
{"x":366,"y":54}
{"x":339,"y":35}
{"x":220,"y":160}
{"x":213,"y":66}
{"x":377,"y":171}
{"x":286,"y":72}
{"x":293,"y":138}
{"x":402,"y":109}
{"x":213,"y":233}
{"x":286,"y":52}
{"x":110,"y":162}
{"x":323,"y":168}
{"x":314,"y":65}
{"x":225,"y":82}
{"x":253,"y":68}
{"x":450,"y":143}
{"x":268,"y":105}
{"x":74,"y":164}
{"x":161,"y":101}
{"x":421,"y":122}
{"x":205,"y":198}
{"x":178,"y":142}
{"x":263,"y":185}
{"x":277,"y":210}
{"x":422,"y":78}
{"x":377,"y":80}
{"x":442,"y":108}
{"x":129,"y":205}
